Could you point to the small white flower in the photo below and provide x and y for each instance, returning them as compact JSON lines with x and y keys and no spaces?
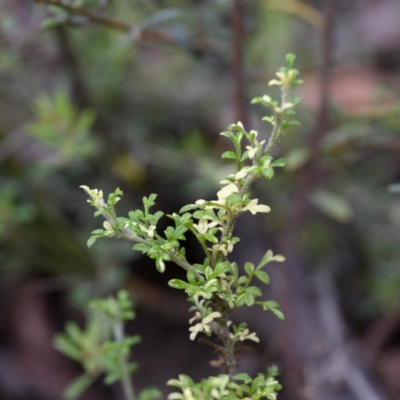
{"x":96,"y":195}
{"x":162,"y":264}
{"x":149,"y":231}
{"x":251,"y":151}
{"x":246,"y":335}
{"x":254,"y":207}
{"x":220,"y":247}
{"x":107,"y":226}
{"x":225,"y":192}
{"x":204,"y":226}
{"x":229,"y":246}
{"x":274,"y":82}
{"x":204,"y":325}
{"x":241,"y":174}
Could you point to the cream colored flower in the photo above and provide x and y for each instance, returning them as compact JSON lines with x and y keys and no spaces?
{"x":246,"y":335}
{"x":204,"y":326}
{"x":107,"y":226}
{"x":226,"y":191}
{"x":150,"y":231}
{"x":204,"y":226}
{"x":96,"y":195}
{"x":251,"y":151}
{"x":254,"y":207}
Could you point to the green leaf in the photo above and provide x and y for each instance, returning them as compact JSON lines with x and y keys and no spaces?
{"x":191,"y":277}
{"x":268,"y":173}
{"x":188,"y":207}
{"x":278,"y":313}
{"x":254,"y":290}
{"x":240,"y":300}
{"x":249,"y":298}
{"x":270,"y":257}
{"x":74,"y":332}
{"x":141,"y":247}
{"x":229,"y":134}
{"x":234,"y":198}
{"x":266,"y":259}
{"x":262,"y":276}
{"x":243,"y":377}
{"x":149,"y":394}
{"x":249,"y":268}
{"x":297,"y":158}
{"x":208,"y":273}
{"x":333,"y":205}
{"x":178,"y":284}
{"x":92,"y":240}
{"x":270,"y":304}
{"x":219,"y":269}
{"x":77,"y":387}
{"x":230,"y":154}
{"x":281,"y":162}
{"x":66,"y":346}
{"x":290,"y":59}
{"x":235,"y":270}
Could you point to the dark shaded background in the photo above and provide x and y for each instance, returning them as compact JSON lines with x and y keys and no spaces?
{"x":139,"y":106}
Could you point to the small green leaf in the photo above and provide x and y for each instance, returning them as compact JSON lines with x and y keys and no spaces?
{"x":281,"y":162}
{"x":254,"y":290}
{"x":249,"y":298}
{"x":149,"y":394}
{"x":230,"y":154}
{"x":240,"y":300}
{"x":65,"y":345}
{"x":290,"y":59}
{"x":249,"y":268}
{"x":262,"y":276}
{"x":140,"y":247}
{"x":92,"y":240}
{"x":178,"y":284}
{"x":234,"y":198}
{"x":278,"y":313}
{"x":333,"y":205}
{"x":266,"y":259}
{"x":188,"y":207}
{"x":191,"y":277}
{"x":77,"y":387}
{"x":268,"y":173}
{"x":243,"y":377}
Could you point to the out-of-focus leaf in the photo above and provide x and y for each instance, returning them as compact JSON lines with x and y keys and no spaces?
{"x":296,"y":158}
{"x":77,"y":387}
{"x":333,"y":205}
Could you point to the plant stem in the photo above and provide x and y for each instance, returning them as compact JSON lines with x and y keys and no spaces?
{"x":221,"y":329}
{"x":126,"y":381}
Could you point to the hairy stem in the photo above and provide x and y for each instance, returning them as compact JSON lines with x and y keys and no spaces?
{"x":221,"y":329}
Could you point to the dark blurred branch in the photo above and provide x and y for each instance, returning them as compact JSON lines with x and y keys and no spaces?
{"x":136,"y":32}
{"x":94,"y":17}
{"x":70,"y":63}
{"x":238,"y":34}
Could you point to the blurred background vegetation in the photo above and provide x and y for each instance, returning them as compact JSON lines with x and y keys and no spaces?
{"x":133,"y":94}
